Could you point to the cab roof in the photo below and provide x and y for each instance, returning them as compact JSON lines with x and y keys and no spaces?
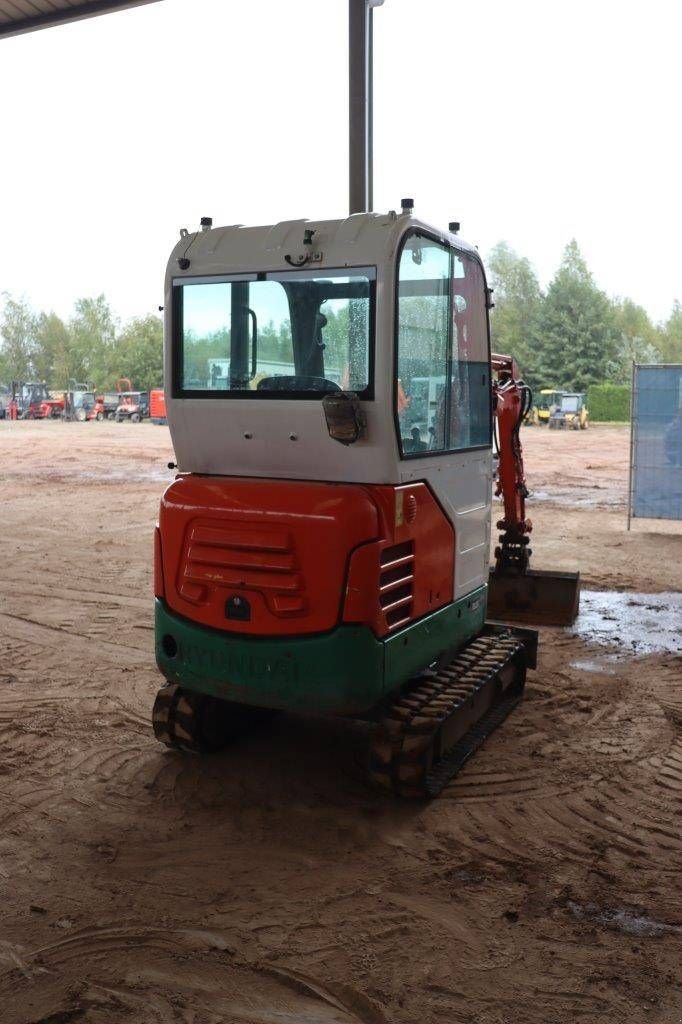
{"x":363,"y":239}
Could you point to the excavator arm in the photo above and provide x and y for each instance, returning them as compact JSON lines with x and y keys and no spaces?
{"x":518,"y":593}
{"x":511,"y":400}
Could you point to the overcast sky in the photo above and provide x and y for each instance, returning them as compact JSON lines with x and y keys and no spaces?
{"x":530,"y":121}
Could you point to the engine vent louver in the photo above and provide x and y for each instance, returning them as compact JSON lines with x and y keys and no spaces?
{"x":231,"y":557}
{"x":396,"y":584}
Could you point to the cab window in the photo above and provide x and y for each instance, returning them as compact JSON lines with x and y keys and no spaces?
{"x":423,"y":329}
{"x":469,"y":413}
{"x":443,"y":379}
{"x":299,"y":334}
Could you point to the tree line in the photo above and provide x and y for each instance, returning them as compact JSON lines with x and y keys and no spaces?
{"x":90,"y":346}
{"x":569,"y":336}
{"x":573,"y":335}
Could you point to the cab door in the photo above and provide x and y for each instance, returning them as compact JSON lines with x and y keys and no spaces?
{"x":443,"y":410}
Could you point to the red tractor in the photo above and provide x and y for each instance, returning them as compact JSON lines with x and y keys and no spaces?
{"x":32,"y":401}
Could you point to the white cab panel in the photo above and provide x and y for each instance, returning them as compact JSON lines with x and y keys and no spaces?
{"x":245,"y":438}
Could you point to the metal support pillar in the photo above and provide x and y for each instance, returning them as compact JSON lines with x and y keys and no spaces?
{"x":632,"y":440}
{"x":360,"y":103}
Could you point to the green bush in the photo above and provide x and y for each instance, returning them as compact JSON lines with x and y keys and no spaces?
{"x":609,"y":403}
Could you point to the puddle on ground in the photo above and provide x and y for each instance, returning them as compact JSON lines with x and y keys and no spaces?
{"x":143,"y":476}
{"x":112,"y":476}
{"x":636,"y":623}
{"x":601,"y":666}
{"x":572,"y":498}
{"x":623,"y":919}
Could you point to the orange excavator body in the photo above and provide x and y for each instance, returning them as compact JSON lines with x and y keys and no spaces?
{"x":388,"y":555}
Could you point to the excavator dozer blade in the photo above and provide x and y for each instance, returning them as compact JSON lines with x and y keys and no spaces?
{"x":535,"y":597}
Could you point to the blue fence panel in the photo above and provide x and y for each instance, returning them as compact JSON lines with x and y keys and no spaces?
{"x":656,"y":484}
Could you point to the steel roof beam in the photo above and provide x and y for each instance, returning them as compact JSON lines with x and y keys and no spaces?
{"x":75,"y":12}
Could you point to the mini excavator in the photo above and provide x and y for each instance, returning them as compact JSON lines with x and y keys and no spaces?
{"x":324,"y":547}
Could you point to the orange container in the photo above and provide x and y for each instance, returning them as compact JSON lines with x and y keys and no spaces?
{"x":157,"y":404}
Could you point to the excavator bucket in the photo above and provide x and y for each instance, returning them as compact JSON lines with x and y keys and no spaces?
{"x":535,"y":597}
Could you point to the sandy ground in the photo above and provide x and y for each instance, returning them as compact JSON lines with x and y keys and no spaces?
{"x":267,"y":885}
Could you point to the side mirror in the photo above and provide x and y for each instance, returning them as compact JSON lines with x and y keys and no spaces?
{"x":346,"y":421}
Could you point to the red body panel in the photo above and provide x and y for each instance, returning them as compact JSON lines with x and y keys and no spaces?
{"x":159,"y":590}
{"x":410,"y":571}
{"x":280,"y":546}
{"x":298,"y":558}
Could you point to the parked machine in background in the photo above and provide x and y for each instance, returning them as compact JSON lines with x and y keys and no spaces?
{"x":545,"y":402}
{"x":124,"y":403}
{"x":571,"y":413}
{"x":132,"y":406}
{"x":105,"y":406}
{"x":98,"y":411}
{"x":157,"y":406}
{"x":79,"y":401}
{"x":13,"y":401}
{"x":31,"y":400}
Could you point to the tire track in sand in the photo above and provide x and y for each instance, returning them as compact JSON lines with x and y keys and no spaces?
{"x":136,"y":966}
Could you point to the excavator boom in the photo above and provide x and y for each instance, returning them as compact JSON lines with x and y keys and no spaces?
{"x":516,"y":592}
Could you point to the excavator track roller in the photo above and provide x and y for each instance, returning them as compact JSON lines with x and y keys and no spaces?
{"x":198,"y":723}
{"x":431,"y":730}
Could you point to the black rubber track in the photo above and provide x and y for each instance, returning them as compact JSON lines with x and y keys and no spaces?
{"x":433,"y":727}
{"x":199,"y":723}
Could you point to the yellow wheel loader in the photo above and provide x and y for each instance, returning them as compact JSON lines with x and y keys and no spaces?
{"x":571,"y":414}
{"x":546,"y":401}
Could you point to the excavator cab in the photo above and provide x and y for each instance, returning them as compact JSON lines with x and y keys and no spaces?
{"x":329,"y":392}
